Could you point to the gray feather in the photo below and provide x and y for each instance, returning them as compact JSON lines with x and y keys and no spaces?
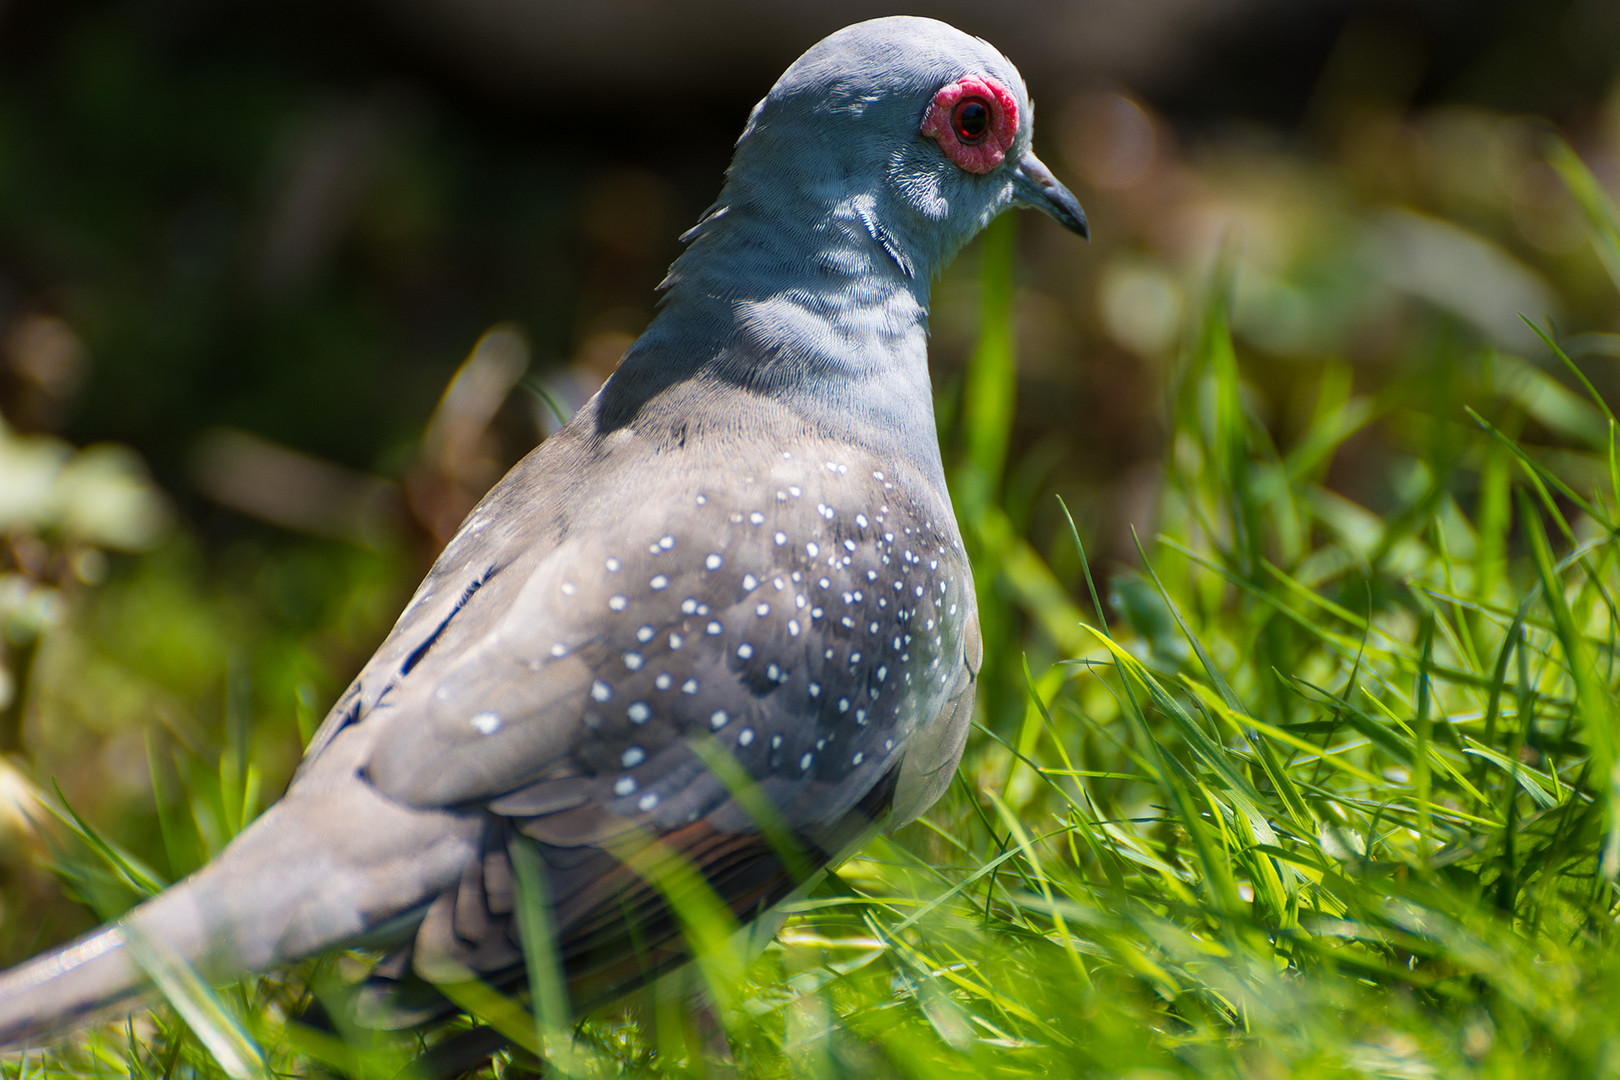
{"x":742,"y":544}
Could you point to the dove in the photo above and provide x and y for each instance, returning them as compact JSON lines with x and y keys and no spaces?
{"x":723,"y":616}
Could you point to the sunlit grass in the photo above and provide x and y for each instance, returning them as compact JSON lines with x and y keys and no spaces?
{"x":1309,"y":791}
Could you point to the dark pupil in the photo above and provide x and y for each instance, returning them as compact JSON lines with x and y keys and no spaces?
{"x":972,"y":120}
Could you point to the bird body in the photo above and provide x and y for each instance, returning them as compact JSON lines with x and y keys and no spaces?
{"x":732,"y":587}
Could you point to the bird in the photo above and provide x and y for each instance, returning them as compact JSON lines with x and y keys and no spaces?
{"x":724,"y":614}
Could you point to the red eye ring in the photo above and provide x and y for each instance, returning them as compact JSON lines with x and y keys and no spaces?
{"x":971,"y":120}
{"x":974,"y":120}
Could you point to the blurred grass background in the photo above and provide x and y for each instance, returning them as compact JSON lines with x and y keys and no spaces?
{"x":1321,"y":784}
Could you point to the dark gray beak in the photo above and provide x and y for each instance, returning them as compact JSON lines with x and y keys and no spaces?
{"x":1034,"y":185}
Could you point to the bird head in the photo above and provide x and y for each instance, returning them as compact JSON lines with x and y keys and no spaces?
{"x":916,"y":130}
{"x":876,"y":156}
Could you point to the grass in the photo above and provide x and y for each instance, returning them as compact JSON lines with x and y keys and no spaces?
{"x":1307,"y":791}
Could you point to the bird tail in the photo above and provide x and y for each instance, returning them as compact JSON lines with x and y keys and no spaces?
{"x":101,"y":971}
{"x":309,"y":874}
{"x":75,"y":983}
{"x":112,"y":968}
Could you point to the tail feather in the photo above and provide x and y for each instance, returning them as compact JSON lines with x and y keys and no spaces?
{"x":312,"y":873}
{"x":74,"y":984}
{"x":99,"y":973}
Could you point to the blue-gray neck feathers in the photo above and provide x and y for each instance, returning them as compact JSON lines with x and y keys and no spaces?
{"x":808,"y":281}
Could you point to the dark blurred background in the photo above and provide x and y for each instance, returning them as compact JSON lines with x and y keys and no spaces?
{"x":294,"y":219}
{"x":284,"y":286}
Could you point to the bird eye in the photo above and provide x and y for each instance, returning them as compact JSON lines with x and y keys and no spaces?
{"x":971,"y":120}
{"x":974,"y":120}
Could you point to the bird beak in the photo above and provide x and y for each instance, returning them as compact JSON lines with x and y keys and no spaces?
{"x":1034,"y":185}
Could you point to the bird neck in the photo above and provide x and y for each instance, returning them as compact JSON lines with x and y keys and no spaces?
{"x":828,"y":320}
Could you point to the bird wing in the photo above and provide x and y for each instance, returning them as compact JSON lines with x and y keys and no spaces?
{"x":784,"y":629}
